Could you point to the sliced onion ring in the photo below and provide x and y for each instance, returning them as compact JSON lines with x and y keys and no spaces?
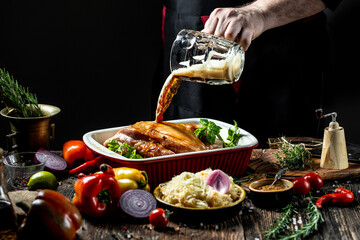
{"x":219,"y":181}
{"x":137,"y":203}
{"x":53,"y":162}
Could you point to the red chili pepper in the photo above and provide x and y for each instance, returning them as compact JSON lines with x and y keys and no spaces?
{"x":87,"y":166}
{"x":97,"y":194}
{"x":340,"y":197}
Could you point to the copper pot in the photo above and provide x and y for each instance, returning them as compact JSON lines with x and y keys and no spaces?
{"x":31,"y":133}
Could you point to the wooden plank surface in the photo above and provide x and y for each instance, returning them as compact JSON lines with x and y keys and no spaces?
{"x":263,"y":165}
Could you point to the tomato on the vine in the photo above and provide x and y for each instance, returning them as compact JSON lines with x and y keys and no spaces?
{"x":315,"y":180}
{"x":301,"y":186}
{"x":159,"y":218}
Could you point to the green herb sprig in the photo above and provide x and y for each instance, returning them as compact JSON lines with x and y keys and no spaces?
{"x":210,"y":131}
{"x":281,"y":226}
{"x":123,"y":149}
{"x":293,"y":156}
{"x":233,"y":136}
{"x":282,"y":223}
{"x":15,"y":97}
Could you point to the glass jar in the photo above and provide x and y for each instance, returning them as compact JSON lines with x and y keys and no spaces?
{"x":202,"y":57}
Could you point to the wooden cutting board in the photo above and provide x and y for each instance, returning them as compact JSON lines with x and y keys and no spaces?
{"x":261,"y":161}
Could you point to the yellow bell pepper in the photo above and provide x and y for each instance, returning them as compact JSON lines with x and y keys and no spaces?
{"x":131,"y":178}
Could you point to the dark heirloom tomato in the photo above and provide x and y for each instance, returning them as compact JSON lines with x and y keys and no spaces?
{"x":301,"y":186}
{"x":315,"y":180}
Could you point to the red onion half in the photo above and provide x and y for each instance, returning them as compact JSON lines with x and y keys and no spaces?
{"x":53,"y":162}
{"x":219,"y":181}
{"x":137,"y":203}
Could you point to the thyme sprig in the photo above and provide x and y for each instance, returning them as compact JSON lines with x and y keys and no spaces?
{"x":293,"y":156}
{"x":280,"y":229}
{"x":15,"y":97}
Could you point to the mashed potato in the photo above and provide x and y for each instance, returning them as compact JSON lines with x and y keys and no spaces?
{"x":190,"y":190}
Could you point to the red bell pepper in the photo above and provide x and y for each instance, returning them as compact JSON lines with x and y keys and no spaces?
{"x":340,"y":197}
{"x":51,"y":216}
{"x":74,"y":150}
{"x":97,"y":194}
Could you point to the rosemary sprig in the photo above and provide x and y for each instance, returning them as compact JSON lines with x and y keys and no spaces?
{"x":15,"y":97}
{"x":281,"y":225}
{"x":315,"y":217}
{"x":278,"y":230}
{"x":293,"y":156}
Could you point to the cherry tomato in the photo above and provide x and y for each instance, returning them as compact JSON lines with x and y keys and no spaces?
{"x":158,"y":218}
{"x":315,"y":180}
{"x":301,"y":186}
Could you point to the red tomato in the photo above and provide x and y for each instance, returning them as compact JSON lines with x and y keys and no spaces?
{"x":315,"y":180}
{"x":158,"y":218}
{"x":301,"y":186}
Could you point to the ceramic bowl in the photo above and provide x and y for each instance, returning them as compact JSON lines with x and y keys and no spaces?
{"x":232,"y":160}
{"x":210,"y":215}
{"x":270,"y":198}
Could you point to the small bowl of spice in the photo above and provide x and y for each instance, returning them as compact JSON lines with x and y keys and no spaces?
{"x":19,"y":167}
{"x":265,"y":195}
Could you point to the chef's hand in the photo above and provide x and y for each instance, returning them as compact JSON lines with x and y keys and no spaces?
{"x":241,"y":25}
{"x":244,"y":24}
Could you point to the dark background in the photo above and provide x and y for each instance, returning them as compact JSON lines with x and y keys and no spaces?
{"x":96,"y":60}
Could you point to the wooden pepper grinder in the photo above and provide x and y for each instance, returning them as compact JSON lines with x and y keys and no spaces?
{"x":334,"y":153}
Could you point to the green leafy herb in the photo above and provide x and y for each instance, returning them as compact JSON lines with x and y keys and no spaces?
{"x":293,"y":156}
{"x":233,"y":136}
{"x":281,"y":229}
{"x":123,"y":149}
{"x":283,"y":222}
{"x":15,"y":97}
{"x":209,"y":131}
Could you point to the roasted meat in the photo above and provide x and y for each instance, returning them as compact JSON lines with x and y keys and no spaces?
{"x":152,"y":139}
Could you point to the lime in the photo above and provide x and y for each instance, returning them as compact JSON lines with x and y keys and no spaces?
{"x":43,"y":180}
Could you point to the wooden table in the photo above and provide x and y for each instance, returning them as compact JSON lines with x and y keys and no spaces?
{"x":249,"y":223}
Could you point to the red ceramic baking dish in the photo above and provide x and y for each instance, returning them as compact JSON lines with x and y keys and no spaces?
{"x":233,"y":161}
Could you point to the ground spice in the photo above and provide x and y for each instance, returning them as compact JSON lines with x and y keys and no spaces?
{"x":275,"y":187}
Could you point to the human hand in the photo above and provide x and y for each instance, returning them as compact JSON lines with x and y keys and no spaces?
{"x":241,"y":25}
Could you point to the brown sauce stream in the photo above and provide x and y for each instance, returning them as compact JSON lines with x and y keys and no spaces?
{"x":168,"y":91}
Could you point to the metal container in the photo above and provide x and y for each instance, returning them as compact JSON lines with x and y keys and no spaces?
{"x":31,"y":133}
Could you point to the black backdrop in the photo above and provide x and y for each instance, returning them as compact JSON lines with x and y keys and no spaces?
{"x":97,"y":59}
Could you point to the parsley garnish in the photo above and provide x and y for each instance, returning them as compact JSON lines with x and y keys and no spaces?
{"x":209,"y":131}
{"x":123,"y":149}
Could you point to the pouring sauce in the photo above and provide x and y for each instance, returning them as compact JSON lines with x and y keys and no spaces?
{"x":213,"y":72}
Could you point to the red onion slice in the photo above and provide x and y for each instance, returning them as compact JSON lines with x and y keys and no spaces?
{"x":219,"y":181}
{"x":53,"y":162}
{"x":137,"y":203}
